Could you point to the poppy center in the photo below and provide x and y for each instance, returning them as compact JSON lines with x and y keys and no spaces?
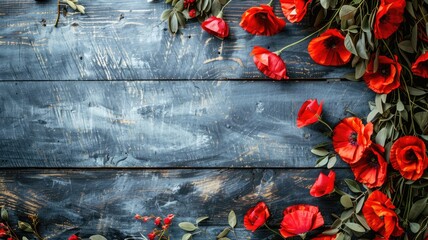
{"x":384,"y":70}
{"x":332,"y":42}
{"x":410,"y":155}
{"x":372,"y":160}
{"x":261,"y":16}
{"x":384,"y":18}
{"x":353,"y":138}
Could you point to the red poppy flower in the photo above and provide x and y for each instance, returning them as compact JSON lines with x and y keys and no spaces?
{"x":378,"y":210}
{"x":300,"y":219}
{"x":325,"y":237}
{"x":309,"y":113}
{"x":216,"y":26}
{"x":408,"y":156}
{"x":323,"y":185}
{"x":420,"y":67}
{"x":73,"y":237}
{"x":371,"y":168}
{"x":388,"y":18}
{"x":351,"y":138}
{"x":294,"y":10}
{"x":329,"y":49}
{"x":387,"y":76}
{"x":269,"y":63}
{"x":261,"y":21}
{"x":256,"y":216}
{"x":3,"y":232}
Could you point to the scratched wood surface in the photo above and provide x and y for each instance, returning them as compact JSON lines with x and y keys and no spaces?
{"x":124,"y":39}
{"x":94,"y":127}
{"x":104,"y":201}
{"x":158,"y":124}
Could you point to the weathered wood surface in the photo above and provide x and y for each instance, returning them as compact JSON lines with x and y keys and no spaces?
{"x":167,"y":124}
{"x":105,"y":201}
{"x":125,"y":39}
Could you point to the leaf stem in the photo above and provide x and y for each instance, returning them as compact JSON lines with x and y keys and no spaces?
{"x":58,"y":14}
{"x":221,"y":11}
{"x":275,"y":232}
{"x":270,"y":3}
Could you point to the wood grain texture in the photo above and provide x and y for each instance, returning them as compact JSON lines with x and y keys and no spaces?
{"x":105,"y":201}
{"x":167,"y":124}
{"x":125,"y":39}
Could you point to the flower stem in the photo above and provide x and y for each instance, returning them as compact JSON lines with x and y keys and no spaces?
{"x":325,"y":124}
{"x":270,"y":3}
{"x":58,"y":14}
{"x":221,"y":11}
{"x":276,"y":233}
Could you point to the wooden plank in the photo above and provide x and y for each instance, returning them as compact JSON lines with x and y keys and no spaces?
{"x":167,"y":124}
{"x":104,"y":201}
{"x":125,"y":39}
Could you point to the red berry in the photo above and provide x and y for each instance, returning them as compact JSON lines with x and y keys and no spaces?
{"x":192,"y":13}
{"x":158,"y":221}
{"x":145,"y":218}
{"x":137,"y":216}
{"x":73,"y":237}
{"x":151,"y":236}
{"x":168,"y":219}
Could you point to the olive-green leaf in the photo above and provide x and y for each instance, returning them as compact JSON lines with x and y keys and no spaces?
{"x":173,"y":23}
{"x":223,"y":233}
{"x":421,"y":119}
{"x":337,"y":223}
{"x":365,"y":24}
{"x":186,"y":236}
{"x":200,"y":219}
{"x":406,"y":46}
{"x":400,"y":106}
{"x":26,"y":227}
{"x":322,"y":162}
{"x":4,"y":214}
{"x":346,"y":215}
{"x":372,"y":115}
{"x":347,"y":12}
{"x":416,"y":91}
{"x":355,"y":227}
{"x":414,"y":38}
{"x":179,"y":6}
{"x":360,"y":69}
{"x":415,"y":227}
{"x":349,"y":44}
{"x":224,"y":238}
{"x":361,"y":48}
{"x":381,"y":136}
{"x":187,"y":226}
{"x":352,"y":185}
{"x":340,"y":236}
{"x":24,"y":238}
{"x":346,"y":201}
{"x":231,"y":219}
{"x":165,"y":14}
{"x":417,"y":208}
{"x":360,"y":204}
{"x":331,"y":231}
{"x":81,"y":9}
{"x":325,"y":4}
{"x":97,"y":237}
{"x":331,"y":162}
{"x":362,"y":221}
{"x":215,"y":7}
{"x":71,"y":4}
{"x":319,"y":152}
{"x":409,"y":8}
{"x":181,"y":19}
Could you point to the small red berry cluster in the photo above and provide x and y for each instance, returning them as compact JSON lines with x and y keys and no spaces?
{"x":159,"y":222}
{"x":189,"y":4}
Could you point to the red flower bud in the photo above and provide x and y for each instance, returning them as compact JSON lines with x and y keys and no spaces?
{"x":168,"y":219}
{"x":256,"y":216}
{"x":192,"y":13}
{"x":151,"y":236}
{"x":73,"y":237}
{"x":137,"y":216}
{"x":269,"y":63}
{"x":323,"y":185}
{"x":309,"y":113}
{"x":216,"y":26}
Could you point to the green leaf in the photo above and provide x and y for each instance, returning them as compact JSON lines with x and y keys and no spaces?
{"x":350,"y":76}
{"x":325,"y":4}
{"x":231,"y":219}
{"x":337,"y":223}
{"x":359,"y":206}
{"x":400,"y":106}
{"x":319,"y":152}
{"x":353,"y":185}
{"x":414,"y":38}
{"x":415,"y":227}
{"x":378,"y":102}
{"x":215,"y":7}
{"x":349,"y":44}
{"x":24,"y":238}
{"x":4,"y":214}
{"x":81,"y":9}
{"x":331,"y":162}
{"x":365,"y":24}
{"x":331,"y":231}
{"x":355,"y":227}
{"x":186,"y":236}
{"x":320,"y":17}
{"x":363,"y":221}
{"x":381,"y":136}
{"x":224,"y":238}
{"x":165,"y":14}
{"x":322,"y":162}
{"x":416,"y":91}
{"x":71,"y":4}
{"x":406,"y":46}
{"x":340,"y":236}
{"x":417,"y":208}
{"x":223,"y":233}
{"x":97,"y":237}
{"x":200,"y":219}
{"x":173,"y":23}
{"x":409,"y":8}
{"x":361,"y":48}
{"x":187,"y":226}
{"x":347,"y":12}
{"x":421,"y":119}
{"x":372,"y":115}
{"x":346,"y":201}
{"x":360,"y":69}
{"x":26,"y":227}
{"x":179,"y":6}
{"x":181,"y":19}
